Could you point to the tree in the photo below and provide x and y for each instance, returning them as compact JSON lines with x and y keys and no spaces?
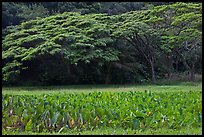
{"x":9,"y":14}
{"x":98,"y":48}
{"x":180,"y":26}
{"x":13,"y":13}
{"x":28,"y":12}
{"x":140,"y":35}
{"x":73,"y":37}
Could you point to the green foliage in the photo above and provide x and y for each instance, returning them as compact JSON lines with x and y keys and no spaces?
{"x":135,"y":110}
{"x":160,"y":36}
{"x":179,"y":25}
{"x":78,"y":38}
{"x":14,"y":13}
{"x":178,"y":19}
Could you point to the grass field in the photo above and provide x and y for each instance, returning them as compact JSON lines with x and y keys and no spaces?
{"x":185,"y":86}
{"x":85,"y":89}
{"x":112,"y":131}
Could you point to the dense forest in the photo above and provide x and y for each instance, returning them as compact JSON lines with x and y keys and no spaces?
{"x":13,"y":13}
{"x":62,"y":43}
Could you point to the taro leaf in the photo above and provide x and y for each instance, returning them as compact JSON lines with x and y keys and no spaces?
{"x":29,"y":109}
{"x":45,"y":113}
{"x":25,"y":114}
{"x":69,"y":119}
{"x":136,"y":123}
{"x":100,"y":112}
{"x":71,"y":123}
{"x":87,"y":116}
{"x":140,"y":115}
{"x":39,"y":109}
{"x":65,"y":116}
{"x":46,"y":103}
{"x":199,"y":117}
{"x":149,"y":120}
{"x":170,"y":112}
{"x":54,"y":119}
{"x":20,"y":111}
{"x":34,"y":119}
{"x":60,"y":110}
{"x":41,"y":127}
{"x":61,"y":129}
{"x":81,"y":119}
{"x":8,"y":119}
{"x":26,"y":118}
{"x":60,"y":117}
{"x":110,"y":116}
{"x":51,"y":112}
{"x":4,"y":104}
{"x":75,"y":116}
{"x":28,"y":126}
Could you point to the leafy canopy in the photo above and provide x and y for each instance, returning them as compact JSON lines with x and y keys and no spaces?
{"x":75,"y":37}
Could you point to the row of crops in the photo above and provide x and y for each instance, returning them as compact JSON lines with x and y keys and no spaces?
{"x":135,"y":110}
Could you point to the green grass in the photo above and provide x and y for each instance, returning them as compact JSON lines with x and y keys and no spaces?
{"x":119,"y":131}
{"x":103,"y":88}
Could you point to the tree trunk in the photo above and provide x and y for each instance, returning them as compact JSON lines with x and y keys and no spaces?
{"x":177,"y":65}
{"x":190,"y":70}
{"x":170,"y":66}
{"x":192,"y":73}
{"x":68,"y":69}
{"x":108,"y":76}
{"x":153,"y":71}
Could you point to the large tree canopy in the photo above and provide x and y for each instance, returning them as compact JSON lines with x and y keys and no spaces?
{"x":164,"y":29}
{"x":73,"y":46}
{"x":143,"y":38}
{"x":180,"y":25}
{"x":74,"y":37}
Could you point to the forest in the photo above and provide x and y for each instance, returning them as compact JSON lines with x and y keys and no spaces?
{"x":91,"y":43}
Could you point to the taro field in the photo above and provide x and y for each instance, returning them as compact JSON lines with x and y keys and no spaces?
{"x":134,"y":111}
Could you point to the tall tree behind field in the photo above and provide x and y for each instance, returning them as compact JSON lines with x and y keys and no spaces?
{"x":180,"y":24}
{"x":15,"y":13}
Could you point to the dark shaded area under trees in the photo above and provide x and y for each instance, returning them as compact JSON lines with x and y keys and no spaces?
{"x":76,"y":43}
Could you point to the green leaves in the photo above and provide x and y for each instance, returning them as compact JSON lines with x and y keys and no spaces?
{"x":54,"y":119}
{"x":136,"y":110}
{"x":74,"y":37}
{"x":28,"y":126}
